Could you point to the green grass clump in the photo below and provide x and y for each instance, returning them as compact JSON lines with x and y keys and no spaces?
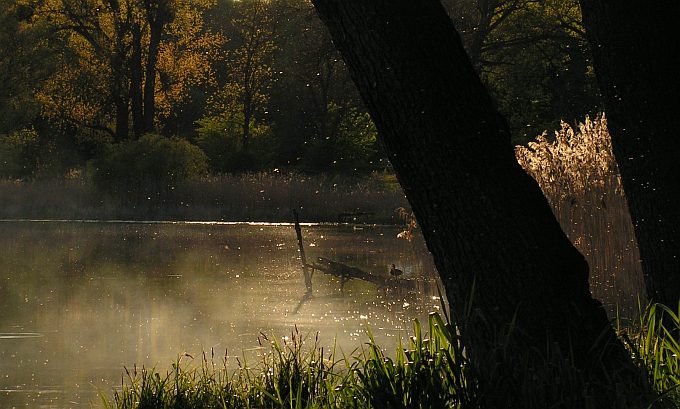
{"x":432,"y":371}
{"x":654,"y":343}
{"x":291,"y":377}
{"x":182,"y":387}
{"x":287,"y":377}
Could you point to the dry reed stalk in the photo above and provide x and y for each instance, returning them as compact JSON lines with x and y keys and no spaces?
{"x":578,"y":174}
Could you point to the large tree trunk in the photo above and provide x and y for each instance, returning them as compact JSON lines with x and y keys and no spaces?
{"x":120,"y":99}
{"x":636,"y":47}
{"x":158,"y":13}
{"x":497,"y":245}
{"x":247,"y":118}
{"x":122,"y":116}
{"x":150,"y":79}
{"x":136,"y":79}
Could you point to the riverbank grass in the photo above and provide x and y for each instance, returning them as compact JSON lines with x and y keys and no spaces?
{"x":430,"y":372}
{"x":295,"y":374}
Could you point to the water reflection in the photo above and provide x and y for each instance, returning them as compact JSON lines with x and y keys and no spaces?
{"x":78,"y":301}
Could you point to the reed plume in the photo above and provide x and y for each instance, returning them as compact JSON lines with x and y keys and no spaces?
{"x":579,"y":176}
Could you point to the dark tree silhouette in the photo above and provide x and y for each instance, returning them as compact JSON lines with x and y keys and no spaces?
{"x":636,"y":47}
{"x":503,"y":259}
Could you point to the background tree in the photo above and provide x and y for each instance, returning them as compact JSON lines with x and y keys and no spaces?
{"x":114,"y":55}
{"x":117,"y":44}
{"x":188,"y":64}
{"x":94,"y":33}
{"x":512,"y":277}
{"x":27,"y":146}
{"x":533,"y":57}
{"x":318,"y":119}
{"x":332,"y":105}
{"x":239,"y":106}
{"x":25,"y":62}
{"x":636,"y":50}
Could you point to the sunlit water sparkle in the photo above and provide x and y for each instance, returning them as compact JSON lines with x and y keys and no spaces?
{"x":81,"y":300}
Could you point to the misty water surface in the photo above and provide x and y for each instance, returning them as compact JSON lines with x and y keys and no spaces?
{"x":79,"y":301}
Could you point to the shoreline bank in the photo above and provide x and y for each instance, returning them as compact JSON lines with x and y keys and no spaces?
{"x":266,"y":198}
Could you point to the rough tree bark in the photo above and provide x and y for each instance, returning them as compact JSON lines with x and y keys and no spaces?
{"x":120,"y":98}
{"x":494,"y":239}
{"x":636,"y":47}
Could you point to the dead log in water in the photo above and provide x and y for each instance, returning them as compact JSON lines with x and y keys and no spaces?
{"x":346,"y":273}
{"x":303,"y":258}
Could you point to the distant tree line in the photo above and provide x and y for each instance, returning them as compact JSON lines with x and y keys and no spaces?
{"x":254,"y":84}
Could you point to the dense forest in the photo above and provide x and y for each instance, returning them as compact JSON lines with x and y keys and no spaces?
{"x":213,"y":87}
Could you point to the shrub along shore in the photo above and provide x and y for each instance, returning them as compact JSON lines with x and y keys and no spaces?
{"x":266,"y":197}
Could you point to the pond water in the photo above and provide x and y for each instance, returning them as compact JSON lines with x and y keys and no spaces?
{"x":81,"y":300}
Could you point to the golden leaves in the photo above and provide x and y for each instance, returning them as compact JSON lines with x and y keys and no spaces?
{"x":108,"y":47}
{"x":183,"y":65}
{"x":74,"y":93}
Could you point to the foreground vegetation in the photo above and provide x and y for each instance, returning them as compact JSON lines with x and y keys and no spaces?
{"x":430,"y":372}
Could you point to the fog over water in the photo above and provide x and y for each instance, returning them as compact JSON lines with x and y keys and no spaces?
{"x":79,"y":301}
